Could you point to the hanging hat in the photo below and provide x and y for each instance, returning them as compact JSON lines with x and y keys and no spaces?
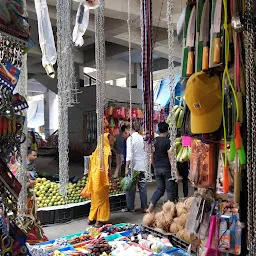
{"x":203,"y":97}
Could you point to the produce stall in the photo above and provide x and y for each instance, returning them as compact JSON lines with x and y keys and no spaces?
{"x":52,"y":208}
{"x":120,"y":239}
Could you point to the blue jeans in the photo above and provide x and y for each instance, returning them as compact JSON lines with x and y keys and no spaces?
{"x":164,"y":182}
{"x":130,"y":196}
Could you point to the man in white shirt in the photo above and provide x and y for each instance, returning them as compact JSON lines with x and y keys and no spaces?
{"x":136,"y":161}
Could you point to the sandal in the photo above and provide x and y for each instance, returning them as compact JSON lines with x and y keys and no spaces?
{"x":98,"y":224}
{"x":91,"y":222}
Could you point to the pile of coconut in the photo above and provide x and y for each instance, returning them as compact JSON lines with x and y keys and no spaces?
{"x":172,"y":219}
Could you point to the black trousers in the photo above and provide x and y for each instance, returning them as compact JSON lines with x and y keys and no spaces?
{"x":183,"y":172}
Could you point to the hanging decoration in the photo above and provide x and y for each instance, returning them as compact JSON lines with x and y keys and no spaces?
{"x":130,"y":73}
{"x":147,"y":78}
{"x":14,"y":36}
{"x":250,"y":42}
{"x":82,"y":20}
{"x":172,"y":122}
{"x":65,"y":84}
{"x":100,"y":77}
{"x":46,"y":39}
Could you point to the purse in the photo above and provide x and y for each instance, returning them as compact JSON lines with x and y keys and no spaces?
{"x":84,"y":193}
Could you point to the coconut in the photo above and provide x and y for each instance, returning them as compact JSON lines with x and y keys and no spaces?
{"x":174,"y":228}
{"x":181,"y":210}
{"x":169,"y":207}
{"x":188,"y":202}
{"x":160,"y":220}
{"x":183,"y":219}
{"x":148,"y":219}
{"x":168,"y":218}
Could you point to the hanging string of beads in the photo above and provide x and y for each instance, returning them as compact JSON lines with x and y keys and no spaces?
{"x":129,"y":22}
{"x":65,"y":84}
{"x":250,"y":42}
{"x":147,"y":79}
{"x":100,"y":77}
{"x":173,"y":131}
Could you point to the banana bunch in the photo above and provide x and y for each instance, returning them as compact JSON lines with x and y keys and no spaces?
{"x":177,"y":113}
{"x":183,"y":153}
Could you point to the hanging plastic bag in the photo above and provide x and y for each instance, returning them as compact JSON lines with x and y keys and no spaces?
{"x":46,"y":39}
{"x":82,"y":21}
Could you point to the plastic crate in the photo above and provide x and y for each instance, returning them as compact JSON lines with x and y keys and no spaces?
{"x":154,"y":232}
{"x":81,"y":211}
{"x":177,"y":242}
{"x":64,"y":215}
{"x":46,"y":217}
{"x":117,"y":203}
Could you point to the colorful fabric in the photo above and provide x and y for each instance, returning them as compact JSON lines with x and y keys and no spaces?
{"x":98,"y":185}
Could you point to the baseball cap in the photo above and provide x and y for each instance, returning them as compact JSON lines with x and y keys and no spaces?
{"x":203,"y":98}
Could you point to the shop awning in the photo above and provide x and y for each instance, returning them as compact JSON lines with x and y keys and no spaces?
{"x":162,"y":96}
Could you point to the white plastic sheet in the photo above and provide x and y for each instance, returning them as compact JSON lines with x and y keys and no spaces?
{"x":46,"y":39}
{"x":82,"y":21}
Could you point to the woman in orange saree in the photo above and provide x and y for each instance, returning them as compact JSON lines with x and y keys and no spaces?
{"x":98,"y":184}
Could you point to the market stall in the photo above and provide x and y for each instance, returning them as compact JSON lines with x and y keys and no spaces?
{"x":212,"y":127}
{"x":119,"y":239}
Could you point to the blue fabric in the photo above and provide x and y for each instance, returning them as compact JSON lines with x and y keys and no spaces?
{"x":164,"y":183}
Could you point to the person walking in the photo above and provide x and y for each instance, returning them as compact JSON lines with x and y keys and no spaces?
{"x":119,"y":150}
{"x":135,"y":161}
{"x":162,"y":167}
{"x":98,"y":184}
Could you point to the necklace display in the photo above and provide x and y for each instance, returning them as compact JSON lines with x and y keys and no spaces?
{"x":100,"y":77}
{"x":172,"y":124}
{"x":250,"y":37}
{"x":66,"y":81}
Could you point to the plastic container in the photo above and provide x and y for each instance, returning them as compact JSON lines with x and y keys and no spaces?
{"x":66,"y":249}
{"x":153,"y":232}
{"x":64,"y":215}
{"x":46,"y":217}
{"x":73,"y":235}
{"x":113,"y":237}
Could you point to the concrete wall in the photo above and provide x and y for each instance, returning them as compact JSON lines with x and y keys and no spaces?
{"x":87,"y":101}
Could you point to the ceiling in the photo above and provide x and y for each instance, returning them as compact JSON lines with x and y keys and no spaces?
{"x":116,"y":34}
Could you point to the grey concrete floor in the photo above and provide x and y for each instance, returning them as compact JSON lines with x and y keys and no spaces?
{"x":58,"y":230}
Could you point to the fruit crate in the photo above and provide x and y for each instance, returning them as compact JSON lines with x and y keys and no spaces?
{"x":117,"y":203}
{"x":177,"y":242}
{"x":64,"y":215}
{"x":154,"y":232}
{"x":46,"y":217}
{"x":81,"y":211}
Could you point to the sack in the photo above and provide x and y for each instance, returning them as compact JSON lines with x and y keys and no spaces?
{"x":84,"y":193}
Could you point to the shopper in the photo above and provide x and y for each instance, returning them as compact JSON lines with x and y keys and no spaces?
{"x":31,"y":164}
{"x":98,"y":184}
{"x":183,"y":172}
{"x":119,"y":150}
{"x":162,"y":167}
{"x":135,"y":161}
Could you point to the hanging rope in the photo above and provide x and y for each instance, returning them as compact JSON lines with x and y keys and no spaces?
{"x":100,"y":77}
{"x":171,"y":69}
{"x":65,"y":85}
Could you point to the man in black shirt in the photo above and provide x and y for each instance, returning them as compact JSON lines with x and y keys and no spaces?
{"x":163,"y":168}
